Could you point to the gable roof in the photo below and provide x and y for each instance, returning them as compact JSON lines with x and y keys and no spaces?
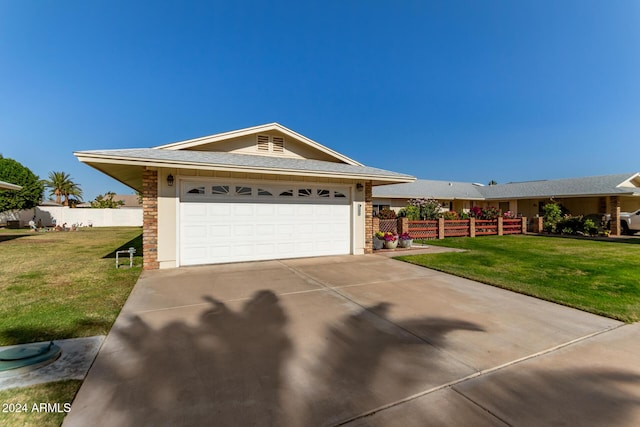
{"x":126,"y":165}
{"x":617,"y":184}
{"x":191,"y":143}
{"x":9,"y":186}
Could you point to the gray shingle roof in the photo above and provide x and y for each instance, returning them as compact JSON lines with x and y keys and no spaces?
{"x":430,"y":188}
{"x":587,"y":186}
{"x":211,"y":158}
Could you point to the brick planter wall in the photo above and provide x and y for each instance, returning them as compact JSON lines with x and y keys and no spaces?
{"x":150,"y":219}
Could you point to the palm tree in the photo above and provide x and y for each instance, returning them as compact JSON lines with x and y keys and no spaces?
{"x":61,"y":185}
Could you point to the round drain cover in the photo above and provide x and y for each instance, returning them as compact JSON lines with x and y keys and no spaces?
{"x":27,"y":357}
{"x":25,"y":351}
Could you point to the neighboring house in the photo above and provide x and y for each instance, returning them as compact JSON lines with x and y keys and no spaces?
{"x":259,"y":193}
{"x":9,"y":186}
{"x":130,"y":201}
{"x":581,"y":196}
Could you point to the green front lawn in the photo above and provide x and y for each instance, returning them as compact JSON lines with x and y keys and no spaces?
{"x":596,"y":276}
{"x":58,"y":285}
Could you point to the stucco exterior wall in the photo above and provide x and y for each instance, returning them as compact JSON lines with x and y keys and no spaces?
{"x":248,"y":145}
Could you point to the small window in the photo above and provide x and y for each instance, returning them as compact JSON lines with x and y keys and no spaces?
{"x":196,"y":190}
{"x":220,"y":189}
{"x":338,"y":194}
{"x":324,"y":193}
{"x":305,"y":192}
{"x":263,"y":192}
{"x":263,"y":143}
{"x":287,"y":193}
{"x":278,"y":144}
{"x":243,"y":191}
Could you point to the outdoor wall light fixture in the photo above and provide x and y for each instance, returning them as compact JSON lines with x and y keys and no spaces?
{"x":170,"y":180}
{"x":359,"y":186}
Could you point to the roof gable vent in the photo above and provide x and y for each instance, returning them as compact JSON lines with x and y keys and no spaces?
{"x":263,"y":143}
{"x":278,"y":144}
{"x":270,"y":144}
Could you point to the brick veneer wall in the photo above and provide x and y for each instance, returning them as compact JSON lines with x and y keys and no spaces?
{"x":150,"y":219}
{"x":368,"y":218}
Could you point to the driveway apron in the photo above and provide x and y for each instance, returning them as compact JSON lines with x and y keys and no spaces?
{"x":353,"y":340}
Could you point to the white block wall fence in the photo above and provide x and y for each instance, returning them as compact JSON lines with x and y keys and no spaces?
{"x":50,"y":215}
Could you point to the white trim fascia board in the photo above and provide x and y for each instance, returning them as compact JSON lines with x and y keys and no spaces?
{"x":241,"y":169}
{"x":181,"y":145}
{"x":627,"y":182}
{"x":9,"y":186}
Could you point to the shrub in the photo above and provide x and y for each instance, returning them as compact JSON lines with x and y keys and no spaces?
{"x":450,"y":215}
{"x":463,"y":215}
{"x":475,"y":212}
{"x":429,"y":208}
{"x":589,"y":227}
{"x":490,"y":213}
{"x":411,"y":212}
{"x":552,"y":215}
{"x":577,"y":225}
{"x":386,"y":214}
{"x":484,"y":213}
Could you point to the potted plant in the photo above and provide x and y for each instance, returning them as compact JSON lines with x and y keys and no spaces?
{"x":390,"y":240}
{"x":405,"y":240}
{"x":378,"y":240}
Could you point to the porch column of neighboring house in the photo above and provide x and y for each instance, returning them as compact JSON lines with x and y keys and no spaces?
{"x":150,"y":219}
{"x":368,"y":217}
{"x":614,"y":210}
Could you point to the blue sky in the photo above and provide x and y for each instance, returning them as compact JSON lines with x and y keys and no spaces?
{"x":453,"y":90}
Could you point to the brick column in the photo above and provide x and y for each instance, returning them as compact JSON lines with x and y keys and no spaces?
{"x":403,"y":225}
{"x":368,"y":218}
{"x":472,"y":227}
{"x":524,"y":225}
{"x":149,"y":219}
{"x":500,"y":226}
{"x":614,"y":206}
{"x":441,"y":228}
{"x":537,"y":225}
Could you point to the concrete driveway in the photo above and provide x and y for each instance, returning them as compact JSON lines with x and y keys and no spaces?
{"x":354,"y":340}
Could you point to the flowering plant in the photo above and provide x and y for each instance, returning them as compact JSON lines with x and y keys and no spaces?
{"x":380,"y":235}
{"x":390,"y":237}
{"x":405,"y":236}
{"x":508,"y":215}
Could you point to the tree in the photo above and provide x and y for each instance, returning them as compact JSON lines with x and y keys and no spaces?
{"x":106,"y":201}
{"x":61,"y":185}
{"x":30,"y":194}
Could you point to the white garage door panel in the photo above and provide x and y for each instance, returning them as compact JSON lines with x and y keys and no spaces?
{"x":217,"y":232}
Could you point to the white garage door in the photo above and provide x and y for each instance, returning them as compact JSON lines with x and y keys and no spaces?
{"x":230,"y":222}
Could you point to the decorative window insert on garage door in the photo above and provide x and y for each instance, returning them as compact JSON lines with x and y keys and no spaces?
{"x":247,"y":221}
